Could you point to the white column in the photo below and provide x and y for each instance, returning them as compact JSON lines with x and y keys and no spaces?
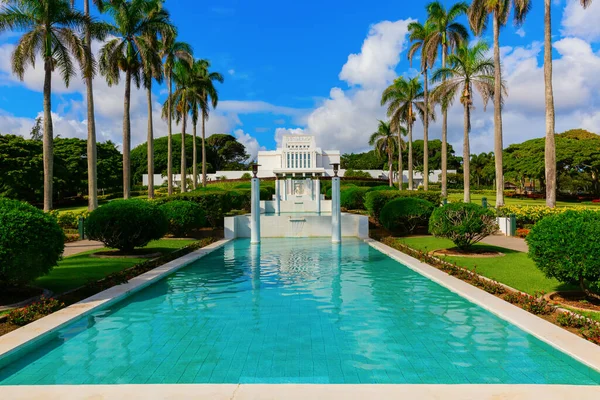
{"x":336,"y":214}
{"x":255,"y":212}
{"x":285,"y":189}
{"x":277,"y":196}
{"x":318,"y":194}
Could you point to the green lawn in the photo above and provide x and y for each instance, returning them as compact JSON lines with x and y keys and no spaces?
{"x":476,"y":198}
{"x":515,"y":269}
{"x":75,"y":271}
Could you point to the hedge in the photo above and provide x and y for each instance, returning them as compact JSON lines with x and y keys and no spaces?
{"x":184,"y":217}
{"x":406,"y":214}
{"x":376,"y":200}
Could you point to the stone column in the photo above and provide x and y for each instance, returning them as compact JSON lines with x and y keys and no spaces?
{"x":336,"y":213}
{"x":255,"y":212}
{"x":277,"y":196}
{"x":317,"y":189}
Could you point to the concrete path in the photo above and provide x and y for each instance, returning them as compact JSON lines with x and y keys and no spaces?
{"x":509,"y":242}
{"x":80,"y":246}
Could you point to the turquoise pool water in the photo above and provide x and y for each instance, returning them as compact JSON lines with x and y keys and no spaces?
{"x":294,"y":310}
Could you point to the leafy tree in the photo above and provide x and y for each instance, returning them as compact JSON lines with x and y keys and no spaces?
{"x":50,"y":29}
{"x":419,"y":35}
{"x":479,"y":13}
{"x":435,"y":156}
{"x":134,"y":22}
{"x":21,"y":162}
{"x":448,"y":35}
{"x":385,"y":144}
{"x":368,"y":160}
{"x":482,"y":168}
{"x":468,"y":69}
{"x":36,"y":131}
{"x":229,"y":153}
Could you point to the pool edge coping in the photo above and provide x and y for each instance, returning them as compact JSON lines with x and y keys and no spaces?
{"x":568,"y":343}
{"x":31,"y":334}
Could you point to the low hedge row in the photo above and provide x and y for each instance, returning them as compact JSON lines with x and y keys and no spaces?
{"x":376,"y":200}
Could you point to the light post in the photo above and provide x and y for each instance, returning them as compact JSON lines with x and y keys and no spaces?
{"x":336,"y":213}
{"x":255,"y":206}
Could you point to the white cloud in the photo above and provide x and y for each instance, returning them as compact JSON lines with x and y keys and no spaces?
{"x":279,"y":132}
{"x":580,"y":22}
{"x":251,"y":144}
{"x":521,"y":32}
{"x":231,"y":72}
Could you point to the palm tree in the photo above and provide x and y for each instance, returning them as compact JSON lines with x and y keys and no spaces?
{"x":385,"y":142}
{"x":152,"y":70}
{"x":91,"y":118}
{"x":498,"y":10}
{"x":468,"y":69}
{"x":187,"y":93}
{"x":419,"y":35}
{"x":209,"y":92}
{"x":550,"y":151}
{"x":402,"y":97}
{"x":129,"y":51}
{"x":52,"y":30}
{"x":448,"y":35}
{"x":172,"y":51}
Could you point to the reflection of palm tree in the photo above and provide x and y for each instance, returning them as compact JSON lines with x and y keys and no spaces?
{"x":479,"y":13}
{"x":468,"y":69}
{"x":448,"y":35}
{"x":385,"y":142}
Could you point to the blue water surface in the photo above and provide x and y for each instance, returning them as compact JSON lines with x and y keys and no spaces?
{"x":294,"y":311}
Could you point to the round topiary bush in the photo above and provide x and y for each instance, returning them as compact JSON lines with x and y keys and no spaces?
{"x":405,"y":214}
{"x":126,"y":224}
{"x":353,"y":198}
{"x":31,"y":242}
{"x":463,"y":223}
{"x":184,"y":217}
{"x":566,"y":247}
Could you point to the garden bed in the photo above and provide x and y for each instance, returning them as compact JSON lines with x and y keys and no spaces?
{"x":575,"y":299}
{"x":481,"y":252}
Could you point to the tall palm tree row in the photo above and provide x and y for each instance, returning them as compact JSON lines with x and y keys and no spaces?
{"x":447,"y":36}
{"x":419,"y":35}
{"x":405,"y":100}
{"x":480,"y":12}
{"x":385,"y":142}
{"x":550,"y":146}
{"x":130,"y":51}
{"x":51,"y":29}
{"x":468,"y":69}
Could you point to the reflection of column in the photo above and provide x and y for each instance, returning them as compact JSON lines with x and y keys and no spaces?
{"x":255,"y":212}
{"x":318,"y":194}
{"x":277,"y":196}
{"x":336,"y":214}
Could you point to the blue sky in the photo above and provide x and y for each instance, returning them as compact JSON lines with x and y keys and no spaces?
{"x":319,"y":67}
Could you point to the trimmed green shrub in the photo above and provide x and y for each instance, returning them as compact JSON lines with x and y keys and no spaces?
{"x":566,"y":247}
{"x":353,"y":198}
{"x":356,"y":173}
{"x":184,"y":217}
{"x":376,"y":200}
{"x":215,"y":203}
{"x":246,"y":176}
{"x":463,"y":223}
{"x":127,"y":224}
{"x":405,"y":214}
{"x":31,"y":242}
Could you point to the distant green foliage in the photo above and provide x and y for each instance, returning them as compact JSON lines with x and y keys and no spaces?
{"x":566,"y":247}
{"x":184,"y":217}
{"x":463,"y":223}
{"x":376,"y":200}
{"x":352,"y":173}
{"x":246,"y":176}
{"x":31,"y":242}
{"x":405,"y":214}
{"x":353,"y":198}
{"x":126,"y":224}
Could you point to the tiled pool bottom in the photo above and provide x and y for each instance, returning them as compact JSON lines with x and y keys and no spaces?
{"x":295,"y":311}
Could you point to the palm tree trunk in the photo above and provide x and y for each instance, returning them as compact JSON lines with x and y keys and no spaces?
{"x":498,"y":114}
{"x":48,"y":145}
{"x":203,"y":151}
{"x":150,"y":145}
{"x":400,"y":177}
{"x":410,"y":156}
{"x":127,"y":136}
{"x":194,"y":157}
{"x":467,"y":155}
{"x":426,"y":134}
{"x":390,"y":166}
{"x":92,"y":153}
{"x":444,"y":134}
{"x":183,"y":165}
{"x":169,"y":136}
{"x":550,"y":158}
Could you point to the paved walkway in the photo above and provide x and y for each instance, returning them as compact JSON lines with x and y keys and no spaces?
{"x":509,"y":242}
{"x":80,"y":246}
